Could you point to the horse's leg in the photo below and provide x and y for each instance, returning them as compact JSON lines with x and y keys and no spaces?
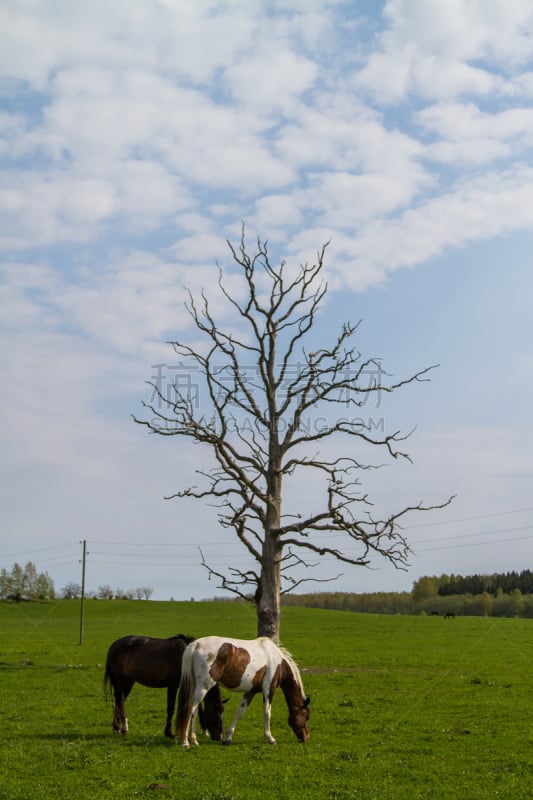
{"x":118,"y":713}
{"x":267,"y":710}
{"x":118,"y":710}
{"x":198,"y":697}
{"x":194,"y":738}
{"x":171,"y":704}
{"x":120,"y":721}
{"x":239,"y":714}
{"x":190,"y":726}
{"x":190,"y":722}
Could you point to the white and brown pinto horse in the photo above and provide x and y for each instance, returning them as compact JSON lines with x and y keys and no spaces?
{"x":248,"y":666}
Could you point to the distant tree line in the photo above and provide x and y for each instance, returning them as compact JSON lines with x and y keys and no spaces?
{"x":514,"y":604}
{"x":26,"y":583}
{"x":72,"y":591}
{"x":471,"y":596}
{"x":477,"y":584}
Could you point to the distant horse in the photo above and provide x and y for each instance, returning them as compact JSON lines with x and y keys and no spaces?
{"x":249,"y":666}
{"x":155,"y":663}
{"x":449,"y":615}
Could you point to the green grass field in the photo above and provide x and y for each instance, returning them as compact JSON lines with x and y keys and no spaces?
{"x":402,"y":707}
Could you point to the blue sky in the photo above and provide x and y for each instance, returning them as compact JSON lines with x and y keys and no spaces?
{"x":135,"y":138}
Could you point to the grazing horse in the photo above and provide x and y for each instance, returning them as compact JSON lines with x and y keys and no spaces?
{"x":155,"y":663}
{"x":248,"y":666}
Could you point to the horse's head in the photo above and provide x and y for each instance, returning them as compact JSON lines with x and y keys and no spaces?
{"x":211,"y":713}
{"x":299,"y":719}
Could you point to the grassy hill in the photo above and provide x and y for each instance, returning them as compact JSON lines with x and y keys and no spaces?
{"x":402,"y":707}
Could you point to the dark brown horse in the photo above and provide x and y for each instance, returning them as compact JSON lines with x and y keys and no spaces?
{"x":155,"y":663}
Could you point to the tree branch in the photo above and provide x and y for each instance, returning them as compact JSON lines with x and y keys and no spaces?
{"x":258,"y":386}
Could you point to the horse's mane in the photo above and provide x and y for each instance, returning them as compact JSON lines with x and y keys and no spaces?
{"x":291,"y":663}
{"x":183,"y":637}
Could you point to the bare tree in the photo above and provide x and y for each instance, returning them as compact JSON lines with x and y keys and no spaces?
{"x":262,"y":387}
{"x":72,"y":591}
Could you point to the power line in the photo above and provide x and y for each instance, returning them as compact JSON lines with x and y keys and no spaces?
{"x":477,"y":544}
{"x":471,"y":535}
{"x":38,"y":550}
{"x":232,"y":542}
{"x":468,"y":519}
{"x":183,"y":560}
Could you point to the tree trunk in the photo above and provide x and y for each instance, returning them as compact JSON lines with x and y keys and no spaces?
{"x":267,"y":599}
{"x":268,"y":591}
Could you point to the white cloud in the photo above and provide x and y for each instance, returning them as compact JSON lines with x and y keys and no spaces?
{"x":191,"y":40}
{"x":44,"y":208}
{"x":466,"y":121}
{"x":136,"y":137}
{"x":492,"y":205}
{"x":340,"y":132}
{"x":430,"y":48}
{"x":346,"y":200}
{"x":277,"y":210}
{"x":271,"y":83}
{"x":470,"y":136}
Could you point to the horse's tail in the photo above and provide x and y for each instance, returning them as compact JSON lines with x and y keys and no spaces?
{"x":186,"y":693}
{"x":108,"y":679}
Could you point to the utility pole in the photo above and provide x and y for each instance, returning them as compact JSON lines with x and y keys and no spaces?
{"x":84,"y":543}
